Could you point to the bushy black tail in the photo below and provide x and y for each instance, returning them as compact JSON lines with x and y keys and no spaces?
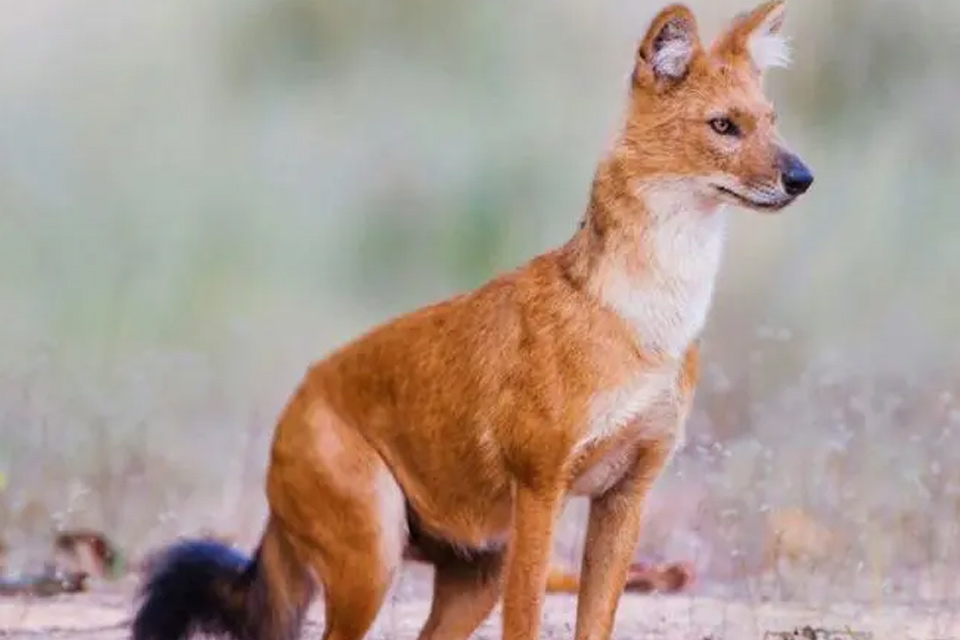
{"x":203,"y":586}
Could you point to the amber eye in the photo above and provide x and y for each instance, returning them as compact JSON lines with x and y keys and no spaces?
{"x":724,"y":126}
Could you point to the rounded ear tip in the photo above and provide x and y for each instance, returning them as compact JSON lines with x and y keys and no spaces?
{"x":678,"y":15}
{"x":677,"y":11}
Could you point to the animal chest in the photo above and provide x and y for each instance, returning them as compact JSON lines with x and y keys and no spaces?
{"x":644,"y":409}
{"x":667,"y":302}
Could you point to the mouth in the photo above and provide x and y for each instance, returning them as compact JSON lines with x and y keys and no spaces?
{"x":762,"y":205}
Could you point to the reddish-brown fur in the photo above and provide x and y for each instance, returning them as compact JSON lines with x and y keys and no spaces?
{"x":641,"y":578}
{"x":482,"y":413}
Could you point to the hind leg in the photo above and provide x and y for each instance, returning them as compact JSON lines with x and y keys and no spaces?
{"x":358,"y":572}
{"x":353,"y":599}
{"x":339,"y":500}
{"x":464,"y":594}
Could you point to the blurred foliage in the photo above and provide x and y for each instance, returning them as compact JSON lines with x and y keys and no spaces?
{"x":199,"y":199}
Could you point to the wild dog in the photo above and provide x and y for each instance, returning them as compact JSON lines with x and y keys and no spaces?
{"x":460,"y":428}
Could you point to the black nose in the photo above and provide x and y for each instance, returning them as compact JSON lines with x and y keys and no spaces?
{"x":795,"y":175}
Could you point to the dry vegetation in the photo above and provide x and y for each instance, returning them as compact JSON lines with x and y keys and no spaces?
{"x":198,"y":201}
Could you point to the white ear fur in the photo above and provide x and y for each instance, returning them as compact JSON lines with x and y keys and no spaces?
{"x":674,"y":51}
{"x":766,"y":45}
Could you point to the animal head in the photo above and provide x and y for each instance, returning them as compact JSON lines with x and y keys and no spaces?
{"x":698,"y":114}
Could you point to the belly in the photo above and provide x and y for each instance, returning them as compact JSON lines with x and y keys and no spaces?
{"x":480,"y":522}
{"x":464,"y":500}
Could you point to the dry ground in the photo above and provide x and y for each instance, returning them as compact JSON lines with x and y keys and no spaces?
{"x":101,"y":615}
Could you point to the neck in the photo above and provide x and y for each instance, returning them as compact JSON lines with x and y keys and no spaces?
{"x":650,"y":251}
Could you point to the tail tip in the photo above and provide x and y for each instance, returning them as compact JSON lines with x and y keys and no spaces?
{"x":190,"y":585}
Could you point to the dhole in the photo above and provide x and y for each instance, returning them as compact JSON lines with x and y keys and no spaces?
{"x":460,"y":428}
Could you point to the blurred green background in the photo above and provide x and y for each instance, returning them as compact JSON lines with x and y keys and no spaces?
{"x":197,"y":199}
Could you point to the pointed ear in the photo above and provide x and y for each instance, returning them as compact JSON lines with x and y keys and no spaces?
{"x":668,"y":48}
{"x":756,"y":36}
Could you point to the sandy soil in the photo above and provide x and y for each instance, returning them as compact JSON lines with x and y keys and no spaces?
{"x":101,"y":615}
